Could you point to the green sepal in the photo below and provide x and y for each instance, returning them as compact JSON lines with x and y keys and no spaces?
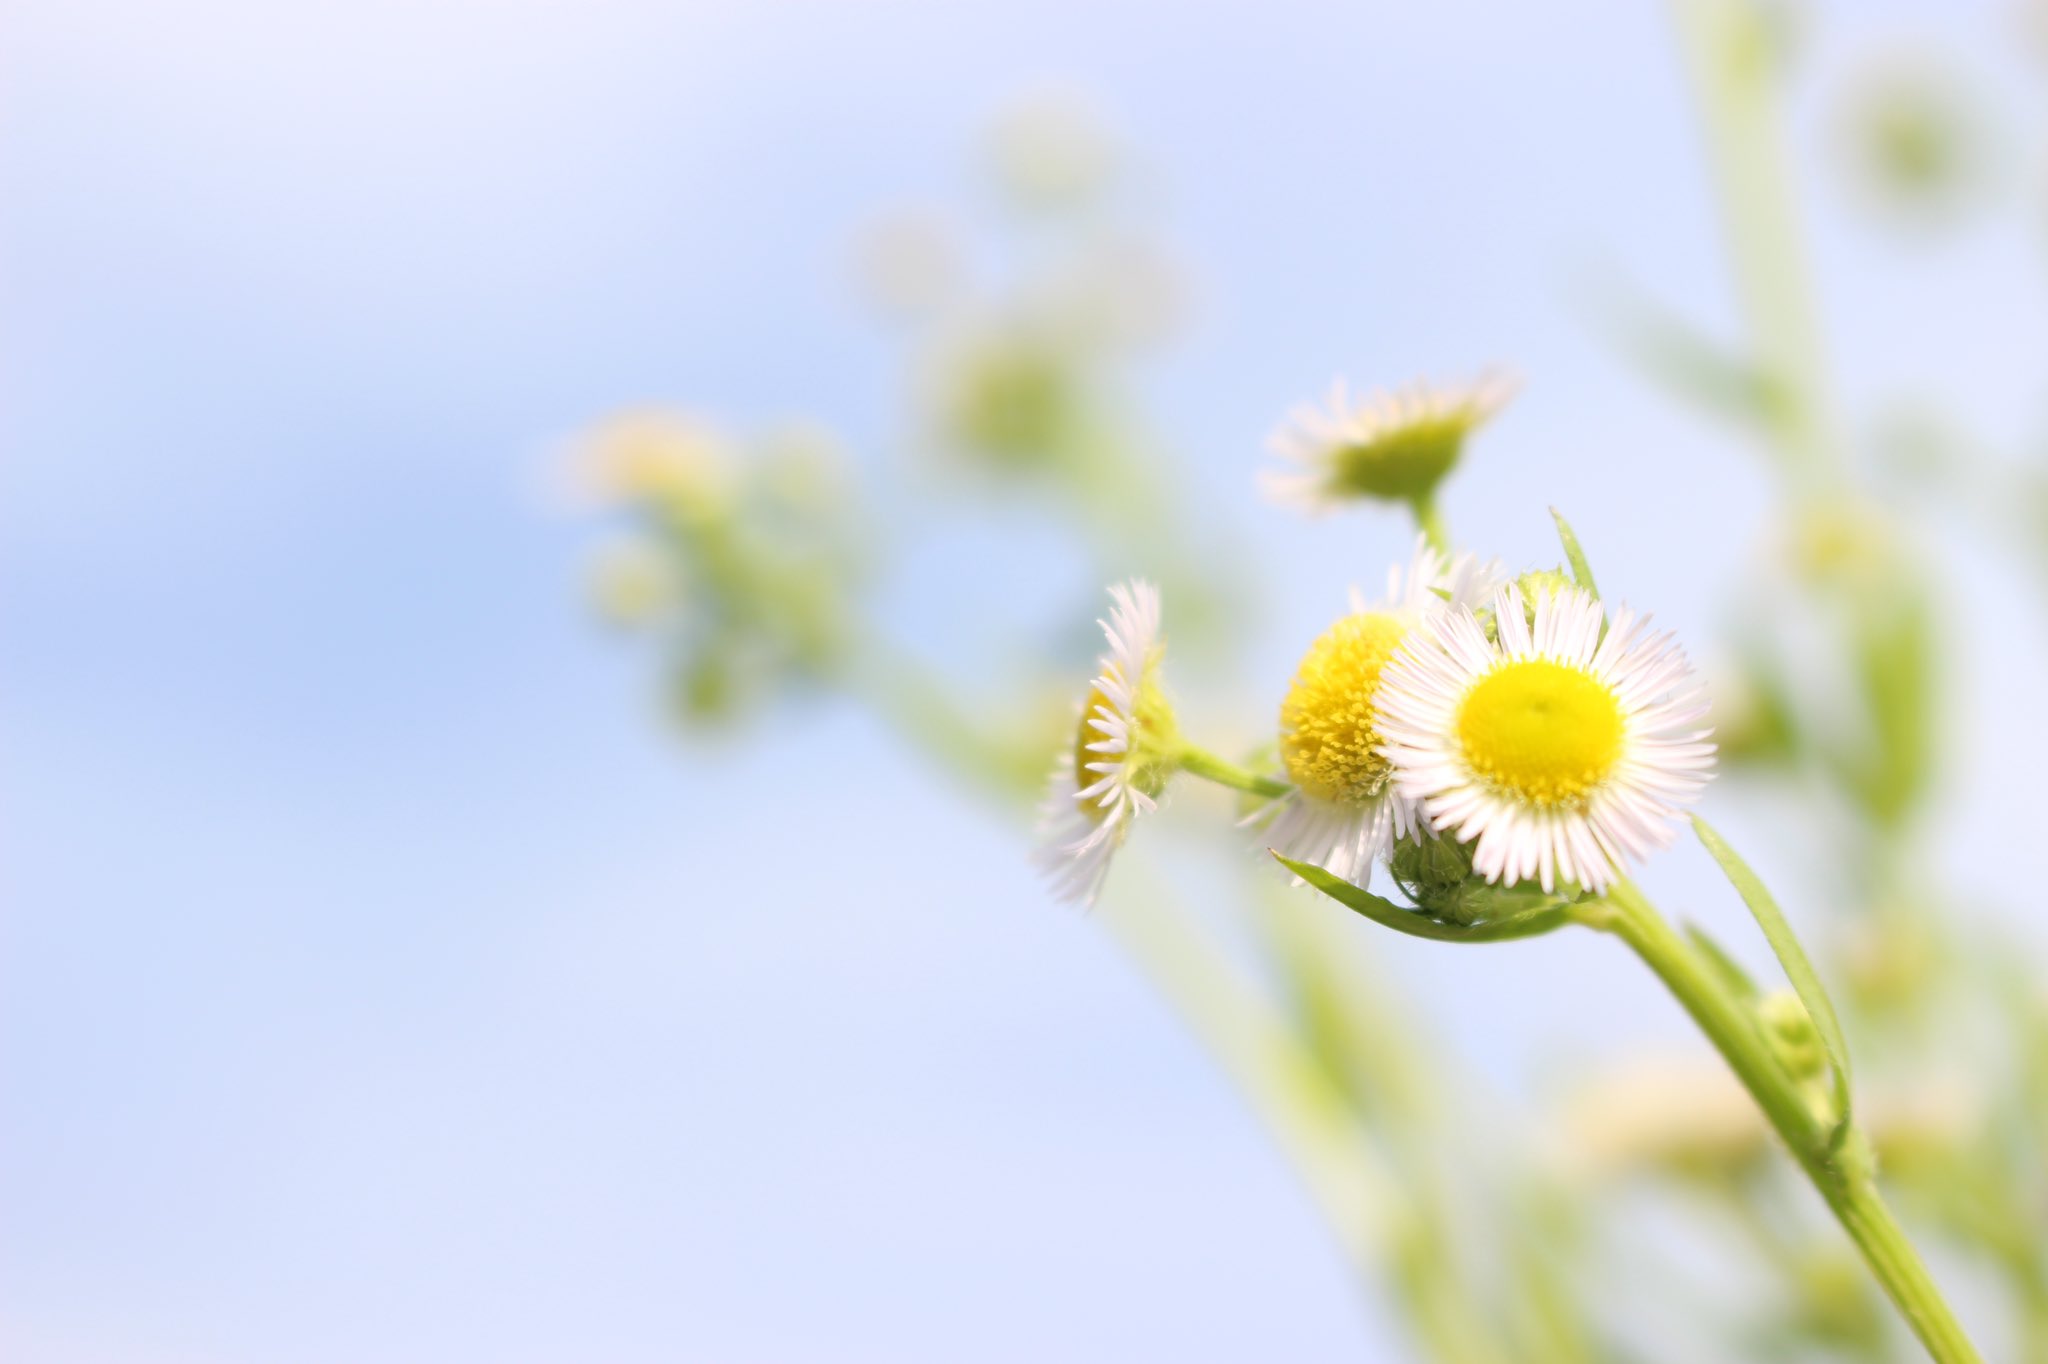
{"x":1419,"y":925}
{"x":1798,"y":969}
{"x":1582,"y":572}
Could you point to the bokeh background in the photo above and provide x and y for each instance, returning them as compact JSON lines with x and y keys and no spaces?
{"x":380,"y":975}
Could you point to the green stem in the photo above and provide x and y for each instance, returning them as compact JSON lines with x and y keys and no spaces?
{"x":1431,"y":522}
{"x":922,"y":710}
{"x":1734,"y":68}
{"x":1842,"y":1173}
{"x":1201,"y":763}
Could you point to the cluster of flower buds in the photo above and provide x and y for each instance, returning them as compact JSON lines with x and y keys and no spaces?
{"x":740,"y":558}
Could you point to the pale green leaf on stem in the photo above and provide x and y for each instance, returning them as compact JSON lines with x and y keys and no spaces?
{"x":1737,"y":981}
{"x":1798,"y":969}
{"x":1711,"y":375}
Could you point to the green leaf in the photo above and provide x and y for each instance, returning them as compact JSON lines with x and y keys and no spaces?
{"x":1792,"y":957}
{"x":1417,"y":924}
{"x":1582,"y":572}
{"x":1672,"y":352}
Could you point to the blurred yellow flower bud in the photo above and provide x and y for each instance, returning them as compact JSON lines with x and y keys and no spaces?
{"x":671,"y":460}
{"x":1008,"y":395}
{"x":1841,"y":542}
{"x":1912,"y":145}
{"x":1753,"y":721}
{"x":1676,"y":1113}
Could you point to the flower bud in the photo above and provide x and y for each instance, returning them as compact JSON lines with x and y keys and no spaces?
{"x":1436,"y":873}
{"x":1009,"y":398}
{"x":1793,"y":1038}
{"x":1534,"y":585}
{"x":1753,"y":718}
{"x":670,"y":462}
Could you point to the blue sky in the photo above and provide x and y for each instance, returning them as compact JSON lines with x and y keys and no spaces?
{"x":379,"y":981}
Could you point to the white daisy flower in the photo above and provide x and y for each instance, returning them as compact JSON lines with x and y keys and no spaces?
{"x":1345,"y":811}
{"x":1125,"y":745}
{"x":1392,"y":447}
{"x":1563,"y":752}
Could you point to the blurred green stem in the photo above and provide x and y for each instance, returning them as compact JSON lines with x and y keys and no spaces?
{"x":1300,"y":1091}
{"x":1733,"y":55}
{"x":1842,"y":1171}
{"x":1430,"y":521}
{"x":1357,"y":1027}
{"x":1372,"y":1206}
{"x":915,"y":703}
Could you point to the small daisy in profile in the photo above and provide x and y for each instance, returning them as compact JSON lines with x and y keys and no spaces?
{"x":1390,"y":447}
{"x":1345,"y":811}
{"x":1126,"y":745}
{"x":1564,"y":752}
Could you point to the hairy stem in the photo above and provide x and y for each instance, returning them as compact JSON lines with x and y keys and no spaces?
{"x":1430,"y":521}
{"x":1198,"y":762}
{"x":1841,"y":1171}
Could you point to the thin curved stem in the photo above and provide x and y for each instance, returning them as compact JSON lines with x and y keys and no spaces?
{"x":1431,"y":522}
{"x":1731,"y":54}
{"x":920,"y":708}
{"x":1199,"y":762}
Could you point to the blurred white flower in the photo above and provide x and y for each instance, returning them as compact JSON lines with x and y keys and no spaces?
{"x":1387,"y":446}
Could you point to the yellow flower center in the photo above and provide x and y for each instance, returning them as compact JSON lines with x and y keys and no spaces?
{"x":1543,"y":731}
{"x":1329,"y":731}
{"x":1088,"y":734}
{"x":1154,"y":735}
